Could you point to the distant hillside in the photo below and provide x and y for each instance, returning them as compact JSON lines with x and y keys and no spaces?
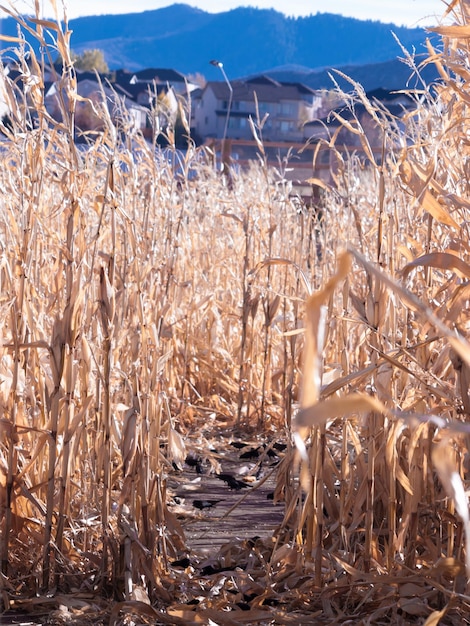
{"x":393,"y":74}
{"x":247,"y":40}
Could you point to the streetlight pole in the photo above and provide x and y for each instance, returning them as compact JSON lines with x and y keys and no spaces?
{"x":220,"y":65}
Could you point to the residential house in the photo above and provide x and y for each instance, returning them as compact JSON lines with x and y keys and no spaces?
{"x":384,"y":106}
{"x":159,"y":101}
{"x":148,"y":98}
{"x":149,"y":94}
{"x":156,"y":89}
{"x":94,"y":95}
{"x":285,"y":108}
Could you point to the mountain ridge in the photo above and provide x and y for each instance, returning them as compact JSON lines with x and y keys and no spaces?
{"x":391,"y":75}
{"x":247,"y":40}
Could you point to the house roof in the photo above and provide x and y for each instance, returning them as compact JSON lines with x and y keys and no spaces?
{"x":134,"y":90}
{"x":196,"y":94}
{"x":88,"y":87}
{"x":386,"y":96}
{"x":262,"y":79}
{"x":88,"y":75}
{"x":123,"y":77}
{"x":160,"y":75}
{"x":303,"y":89}
{"x":129,"y":90}
{"x":265,"y":91}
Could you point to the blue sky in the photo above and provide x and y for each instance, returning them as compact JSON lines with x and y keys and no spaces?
{"x":407,"y":12}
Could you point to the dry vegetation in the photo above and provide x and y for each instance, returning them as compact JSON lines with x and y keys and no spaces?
{"x":147,"y":314}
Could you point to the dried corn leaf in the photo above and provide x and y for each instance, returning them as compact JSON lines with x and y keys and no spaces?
{"x":441,"y":260}
{"x":318,"y":182}
{"x":315,"y":329}
{"x":45,"y":23}
{"x":446,"y":464}
{"x":11,"y":39}
{"x":435,"y":618}
{"x":403,"y":480}
{"x":460,"y":345}
{"x":454,"y":31}
{"x":332,"y":408}
{"x":280,"y":261}
{"x":436,"y":209}
{"x":413,"y":606}
{"x":176,"y":447}
{"x":418,"y":182}
{"x":348,"y":125}
{"x":142,"y":609}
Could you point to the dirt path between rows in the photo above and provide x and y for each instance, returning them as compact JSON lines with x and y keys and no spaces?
{"x":241,"y":513}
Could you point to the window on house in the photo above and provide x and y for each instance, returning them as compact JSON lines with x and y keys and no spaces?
{"x":288,"y":109}
{"x":265,"y":107}
{"x":287,"y":127}
{"x":237,"y":123}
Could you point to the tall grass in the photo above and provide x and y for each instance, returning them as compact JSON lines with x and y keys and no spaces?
{"x":140,"y":307}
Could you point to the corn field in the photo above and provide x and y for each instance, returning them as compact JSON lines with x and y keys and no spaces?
{"x":153,"y":311}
